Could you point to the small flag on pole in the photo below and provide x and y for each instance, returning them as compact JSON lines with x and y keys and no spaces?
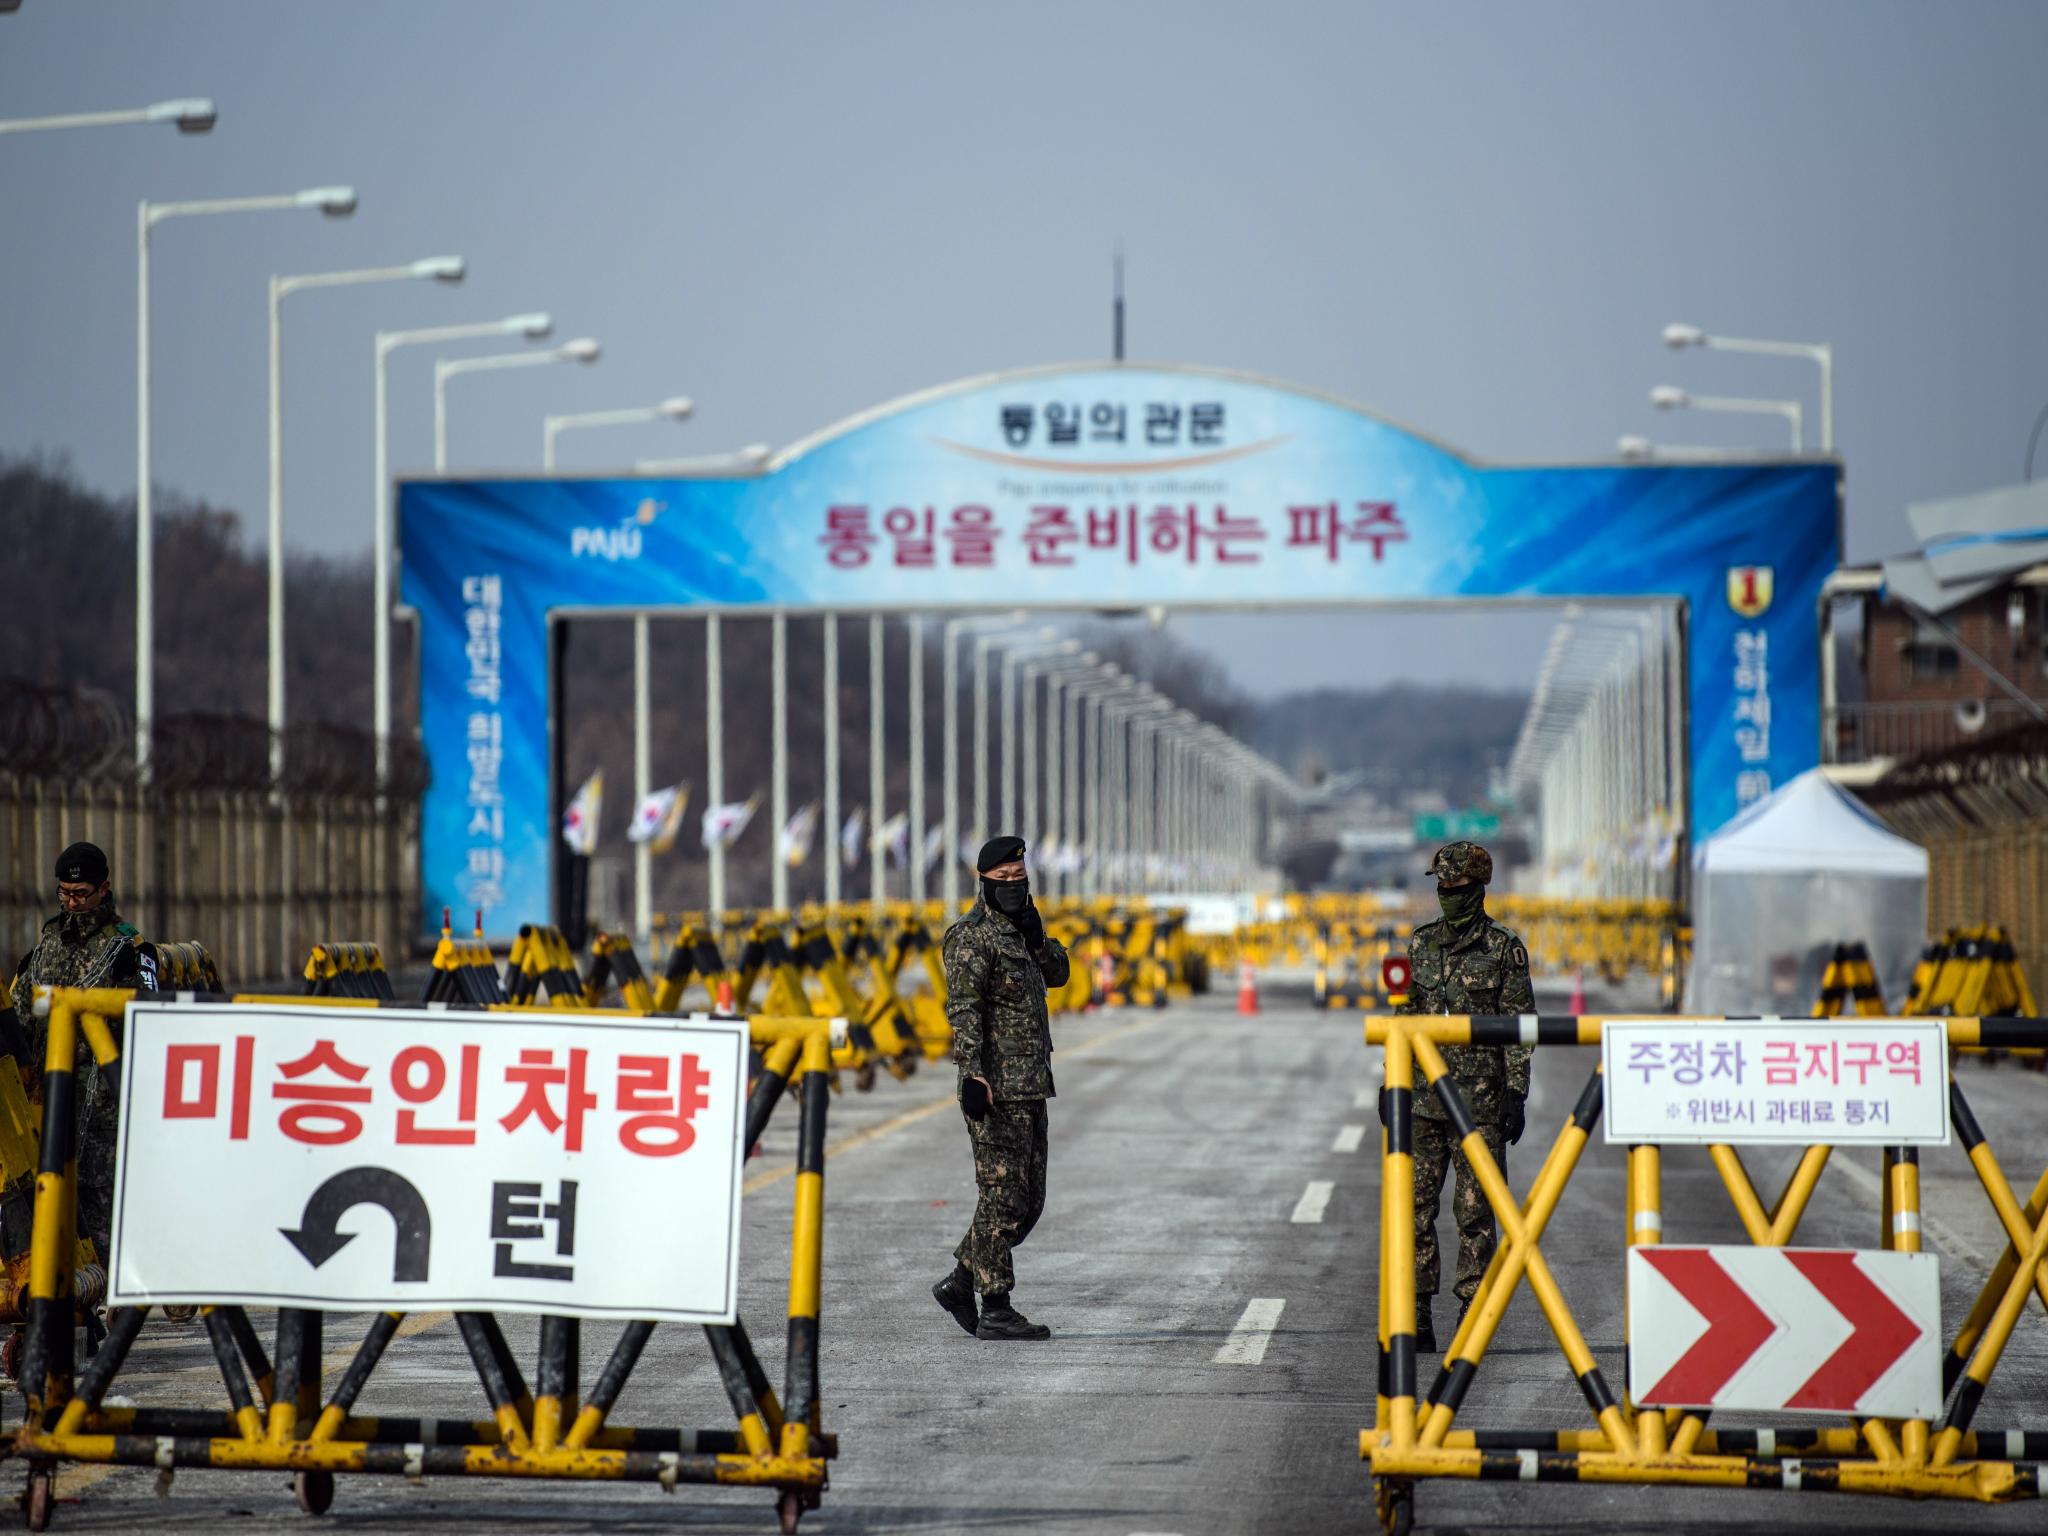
{"x":850,"y":837}
{"x":658,"y":817}
{"x":794,"y":845}
{"x":934,"y":845}
{"x":723,"y":824}
{"x":579,"y":822}
{"x":893,"y":838}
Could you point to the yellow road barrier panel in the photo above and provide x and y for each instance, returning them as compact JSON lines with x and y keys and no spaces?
{"x":278,"y":1418}
{"x":1936,"y":1455}
{"x":343,"y":969}
{"x":542,"y":962}
{"x":1848,"y":985}
{"x":612,"y":962}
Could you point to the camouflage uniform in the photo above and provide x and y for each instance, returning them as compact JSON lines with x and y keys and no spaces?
{"x":995,"y":1001}
{"x":1480,"y":968}
{"x":83,"y":949}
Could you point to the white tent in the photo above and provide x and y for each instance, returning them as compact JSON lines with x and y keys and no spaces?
{"x":1794,"y":875}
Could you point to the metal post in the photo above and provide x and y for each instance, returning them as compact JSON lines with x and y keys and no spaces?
{"x":1098,"y":781}
{"x":714,"y":776}
{"x":831,"y":829}
{"x":275,"y":712}
{"x":916,"y":759}
{"x":1050,"y":831}
{"x":1027,"y":748}
{"x":440,"y":417}
{"x":877,"y":734}
{"x":643,"y":776}
{"x":1007,"y":748}
{"x":778,"y":751}
{"x":1070,"y":797}
{"x":949,"y":756}
{"x":380,"y":582}
{"x":145,"y":533}
{"x":980,"y":827}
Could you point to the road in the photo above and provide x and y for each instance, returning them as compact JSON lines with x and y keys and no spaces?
{"x":1185,"y":1145}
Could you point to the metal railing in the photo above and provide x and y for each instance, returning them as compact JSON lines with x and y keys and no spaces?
{"x":1862,"y":733}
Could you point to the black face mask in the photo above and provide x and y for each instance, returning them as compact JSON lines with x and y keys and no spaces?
{"x":81,"y":926}
{"x":1009,"y":897}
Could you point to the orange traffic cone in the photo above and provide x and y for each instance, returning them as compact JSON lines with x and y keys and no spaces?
{"x":725,"y":994}
{"x":1247,"y":988}
{"x":1577,"y":1005}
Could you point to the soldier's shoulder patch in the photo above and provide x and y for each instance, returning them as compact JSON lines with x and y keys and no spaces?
{"x":128,"y":930}
{"x":1519,"y":954}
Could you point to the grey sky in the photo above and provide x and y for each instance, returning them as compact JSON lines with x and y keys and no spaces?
{"x":1475,"y":219}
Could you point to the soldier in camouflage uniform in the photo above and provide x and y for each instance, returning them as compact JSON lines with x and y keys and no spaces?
{"x":1464,"y":963}
{"x":85,"y":945}
{"x":999,"y":964}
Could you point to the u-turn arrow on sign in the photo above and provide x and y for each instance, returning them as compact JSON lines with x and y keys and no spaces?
{"x":1817,"y":1330}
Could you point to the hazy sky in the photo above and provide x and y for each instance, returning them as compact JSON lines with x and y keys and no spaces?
{"x":1475,"y":219}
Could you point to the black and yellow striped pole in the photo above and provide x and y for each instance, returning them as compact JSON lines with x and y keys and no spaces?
{"x":806,"y":1253}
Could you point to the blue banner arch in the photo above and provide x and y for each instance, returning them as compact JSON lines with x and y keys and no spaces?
{"x":1093,"y":486}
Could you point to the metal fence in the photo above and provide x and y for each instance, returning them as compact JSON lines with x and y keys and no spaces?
{"x":1862,"y":733}
{"x":214,"y":847}
{"x":1981,"y":812}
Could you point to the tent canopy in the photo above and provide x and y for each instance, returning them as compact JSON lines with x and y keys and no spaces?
{"x":1806,"y":826}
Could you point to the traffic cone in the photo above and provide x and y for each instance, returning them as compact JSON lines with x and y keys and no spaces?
{"x":1247,"y":989}
{"x":725,"y":994}
{"x":1577,"y":1005}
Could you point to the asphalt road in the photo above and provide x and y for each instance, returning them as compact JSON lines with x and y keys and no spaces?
{"x":1185,"y":1146}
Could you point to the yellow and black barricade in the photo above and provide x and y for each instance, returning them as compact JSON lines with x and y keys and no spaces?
{"x":276,"y":1418}
{"x":345,"y":970}
{"x":1413,"y":1439}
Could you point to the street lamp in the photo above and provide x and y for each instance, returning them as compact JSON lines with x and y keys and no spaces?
{"x":675,"y":408}
{"x":1047,"y":643}
{"x":949,"y":653}
{"x":581,"y":350}
{"x":1669,"y":397}
{"x":1679,"y":337}
{"x":750,"y":459}
{"x":335,"y":202}
{"x":1642,"y":450}
{"x":192,"y":114}
{"x":444,"y":269}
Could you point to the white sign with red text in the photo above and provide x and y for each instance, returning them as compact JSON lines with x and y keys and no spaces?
{"x":576,"y":1163}
{"x":1805,"y":1330}
{"x":1798,"y":1082}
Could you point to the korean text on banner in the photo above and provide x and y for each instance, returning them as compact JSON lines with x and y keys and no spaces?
{"x":587,"y":1165}
{"x":1842,"y":1082}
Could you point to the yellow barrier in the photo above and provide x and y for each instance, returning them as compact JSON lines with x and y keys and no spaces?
{"x":1412,"y":1438}
{"x":1848,"y":986}
{"x":276,"y":1418}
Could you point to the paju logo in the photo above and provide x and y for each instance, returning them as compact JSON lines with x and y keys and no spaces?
{"x":621,"y":541}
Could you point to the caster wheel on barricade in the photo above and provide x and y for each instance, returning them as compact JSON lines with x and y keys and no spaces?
{"x":1396,"y":1501}
{"x":864,"y":1078}
{"x":790,"y":1506}
{"x":314,"y":1491}
{"x":39,"y":1499}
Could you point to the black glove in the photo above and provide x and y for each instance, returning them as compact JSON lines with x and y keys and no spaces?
{"x":974,"y":1098}
{"x":1516,"y":1118}
{"x":1032,"y":927}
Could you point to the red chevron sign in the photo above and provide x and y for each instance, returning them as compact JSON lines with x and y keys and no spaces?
{"x":1816,"y":1330}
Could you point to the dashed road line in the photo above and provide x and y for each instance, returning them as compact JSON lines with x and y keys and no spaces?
{"x":1314,"y":1200}
{"x":1348,"y":1139}
{"x":1248,"y":1340}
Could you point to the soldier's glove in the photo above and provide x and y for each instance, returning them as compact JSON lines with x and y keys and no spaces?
{"x":1516,"y":1118}
{"x":974,"y":1098}
{"x":1032,"y":927}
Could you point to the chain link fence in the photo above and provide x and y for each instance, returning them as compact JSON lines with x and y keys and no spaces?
{"x":215,"y":845}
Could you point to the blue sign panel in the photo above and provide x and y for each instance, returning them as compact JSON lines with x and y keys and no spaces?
{"x":1093,"y":487}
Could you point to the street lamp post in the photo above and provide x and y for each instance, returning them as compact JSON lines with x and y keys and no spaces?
{"x":676,"y":408}
{"x":748,"y":460}
{"x":949,"y":663}
{"x":533,"y":327}
{"x":581,"y":350}
{"x":444,"y":269}
{"x":192,"y":114}
{"x":1669,"y":397}
{"x":1679,"y":337}
{"x":335,"y":202}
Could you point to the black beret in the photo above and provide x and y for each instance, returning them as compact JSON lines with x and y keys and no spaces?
{"x":81,"y":864}
{"x":998,"y":850}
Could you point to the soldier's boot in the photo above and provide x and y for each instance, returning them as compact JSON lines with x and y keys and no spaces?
{"x":956,"y":1294}
{"x":1425,"y":1327}
{"x":1000,"y":1320}
{"x":1464,"y":1306}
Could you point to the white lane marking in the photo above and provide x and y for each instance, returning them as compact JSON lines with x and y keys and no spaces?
{"x":1348,"y":1139}
{"x":1313,"y":1200}
{"x":1247,"y":1342}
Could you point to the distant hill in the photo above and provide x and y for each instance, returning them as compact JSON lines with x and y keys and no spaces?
{"x":1402,"y":737}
